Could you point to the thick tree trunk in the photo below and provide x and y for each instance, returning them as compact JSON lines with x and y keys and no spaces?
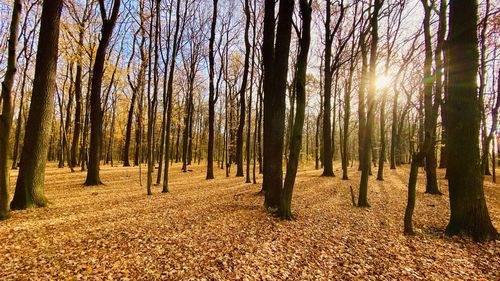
{"x":30,"y":181}
{"x":275,"y":78}
{"x":468,"y":210}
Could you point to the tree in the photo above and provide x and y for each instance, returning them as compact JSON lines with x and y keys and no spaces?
{"x":27,"y":52}
{"x":365,"y":158}
{"x":252,"y":68}
{"x":96,"y":112}
{"x":430,"y":108}
{"x":179,"y":26}
{"x":244,"y":82}
{"x":30,"y":181}
{"x":468,"y":210}
{"x":212,"y":99}
{"x":298,"y":124}
{"x":329,"y":68}
{"x":152,"y":98}
{"x":6,"y":103}
{"x":482,"y":85}
{"x":275,"y":60}
{"x":82,"y":24}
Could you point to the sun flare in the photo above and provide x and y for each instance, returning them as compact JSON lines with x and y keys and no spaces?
{"x":382,"y":81}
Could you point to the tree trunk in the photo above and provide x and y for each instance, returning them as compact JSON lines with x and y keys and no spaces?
{"x":381,"y":159}
{"x":327,"y":107}
{"x":365,"y":159}
{"x":78,"y":98}
{"x":468,"y":210}
{"x":212,"y":96}
{"x":275,"y":78}
{"x":7,"y":105}
{"x":412,"y":191}
{"x":30,"y":181}
{"x":19,"y":119}
{"x":298,"y":124}
{"x":170,"y":91}
{"x":430,"y":106}
{"x":244,"y":82}
{"x":394,"y":129}
{"x":96,"y":112}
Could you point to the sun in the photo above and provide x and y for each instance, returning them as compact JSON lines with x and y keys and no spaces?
{"x":382,"y":81}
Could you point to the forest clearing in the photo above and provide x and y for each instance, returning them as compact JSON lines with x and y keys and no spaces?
{"x":220,"y":230}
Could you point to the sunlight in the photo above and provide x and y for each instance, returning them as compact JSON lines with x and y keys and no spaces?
{"x":382,"y":81}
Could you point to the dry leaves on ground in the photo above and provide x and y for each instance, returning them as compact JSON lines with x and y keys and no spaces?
{"x":218,"y":229}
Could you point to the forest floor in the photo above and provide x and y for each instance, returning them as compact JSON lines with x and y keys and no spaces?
{"x":218,"y":229}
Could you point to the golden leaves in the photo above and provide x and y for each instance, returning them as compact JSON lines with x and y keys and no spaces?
{"x":218,"y":230}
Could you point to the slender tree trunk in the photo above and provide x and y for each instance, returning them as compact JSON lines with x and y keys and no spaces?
{"x":361,"y":97}
{"x":7,"y":105}
{"x":298,"y":124}
{"x":249,"y":124}
{"x":412,"y":191}
{"x":84,"y":145}
{"x":152,"y":100}
{"x":241,"y":123}
{"x":381,"y":159}
{"x":365,"y":159}
{"x":212,"y":96}
{"x":327,"y":107}
{"x":170,"y":91}
{"x":394,"y":129}
{"x":19,"y":119}
{"x":78,"y":97}
{"x":429,"y":108}
{"x":96,"y":112}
